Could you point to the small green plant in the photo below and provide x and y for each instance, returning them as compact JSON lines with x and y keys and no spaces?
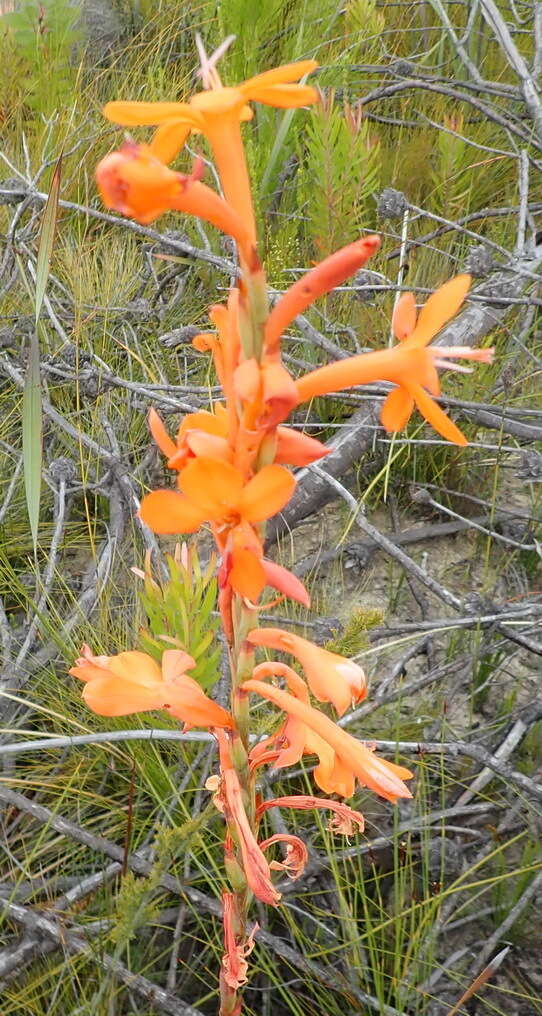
{"x":44,"y":36}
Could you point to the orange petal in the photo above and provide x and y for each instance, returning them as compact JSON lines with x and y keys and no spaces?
{"x":396,"y":410}
{"x":211,"y":423}
{"x":297,"y":449}
{"x":202,"y":444}
{"x":213,"y":485}
{"x":266,"y":493}
{"x":175,"y":662}
{"x":160,"y":434}
{"x":283,"y":75}
{"x":185,"y":700}
{"x":168,"y":140}
{"x":137,"y":667}
{"x":247,"y":380}
{"x":115,"y":696}
{"x":283,"y":580}
{"x":284,"y":96}
{"x":87,"y":671}
{"x":166,"y":511}
{"x":439,"y":308}
{"x":437,"y":417}
{"x":247,"y":576}
{"x":141,"y":114}
{"x":404,"y":316}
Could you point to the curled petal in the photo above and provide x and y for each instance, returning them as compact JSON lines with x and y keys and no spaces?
{"x":296,"y":858}
{"x":344,"y":819}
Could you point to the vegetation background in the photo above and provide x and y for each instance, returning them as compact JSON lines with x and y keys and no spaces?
{"x":430,"y":132}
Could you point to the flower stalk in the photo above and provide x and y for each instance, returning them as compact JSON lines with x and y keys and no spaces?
{"x":231,"y":475}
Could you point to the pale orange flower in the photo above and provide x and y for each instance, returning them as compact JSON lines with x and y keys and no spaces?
{"x":217,"y":113}
{"x":409,"y":365}
{"x":133,"y":682}
{"x":331,"y":678}
{"x":346,"y":759}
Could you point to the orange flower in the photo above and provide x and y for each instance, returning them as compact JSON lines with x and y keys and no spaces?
{"x":246,"y":570}
{"x":331,"y":678}
{"x":346,"y":759}
{"x":217,"y":113}
{"x":321,"y":279}
{"x":234,"y":961}
{"x":215,"y":491}
{"x":133,"y":682}
{"x":410,"y":365}
{"x":230,"y":800}
{"x":134,"y":182}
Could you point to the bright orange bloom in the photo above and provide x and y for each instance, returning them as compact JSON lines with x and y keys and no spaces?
{"x":248,"y":572}
{"x":322,"y":279}
{"x":215,"y":491}
{"x":410,"y":365}
{"x":346,"y":759}
{"x":217,"y":113}
{"x":234,"y":961}
{"x":255,"y":866}
{"x":133,"y":682}
{"x":135,"y":183}
{"x":331,"y":678}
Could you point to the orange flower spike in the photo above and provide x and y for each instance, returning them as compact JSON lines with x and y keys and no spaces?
{"x":353,"y":759}
{"x":320,"y":280}
{"x":410,"y":365}
{"x":133,"y":682}
{"x":255,"y":866}
{"x":331,"y":678}
{"x":217,"y":112}
{"x":135,"y":183}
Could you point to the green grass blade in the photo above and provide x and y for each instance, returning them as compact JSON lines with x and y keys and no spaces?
{"x":32,"y":437}
{"x":47,"y":237}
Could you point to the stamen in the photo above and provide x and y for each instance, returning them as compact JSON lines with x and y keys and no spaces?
{"x":208,"y":72}
{"x":465,"y":353}
{"x":447,"y":365}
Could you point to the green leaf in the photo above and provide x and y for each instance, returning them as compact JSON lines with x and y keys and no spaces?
{"x":32,"y":437}
{"x":47,"y":237}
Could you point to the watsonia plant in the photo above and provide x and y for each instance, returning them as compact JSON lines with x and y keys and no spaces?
{"x":231,"y":475}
